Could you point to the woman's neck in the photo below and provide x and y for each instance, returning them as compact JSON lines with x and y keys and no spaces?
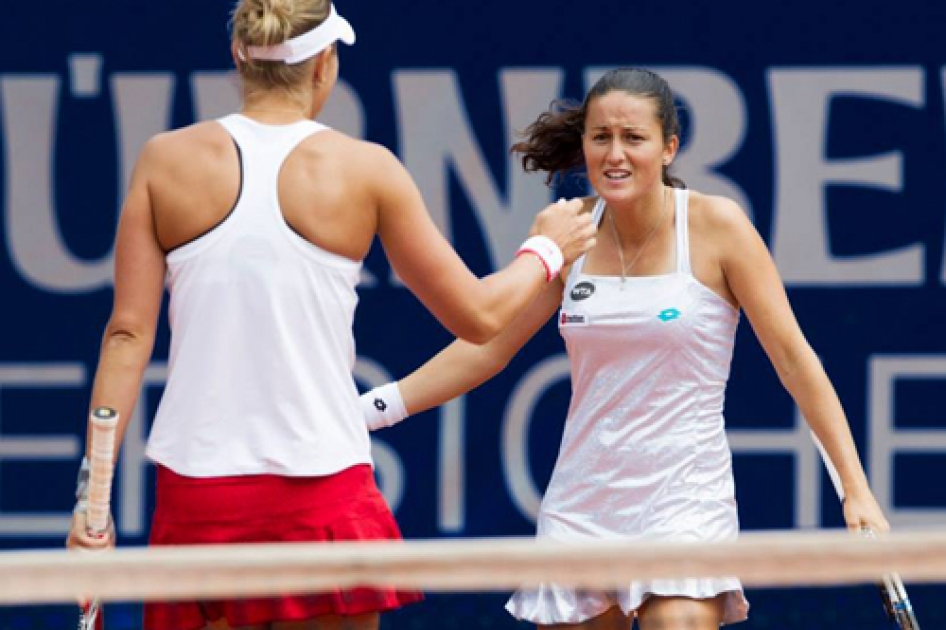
{"x":636,"y":218}
{"x":275,"y":108}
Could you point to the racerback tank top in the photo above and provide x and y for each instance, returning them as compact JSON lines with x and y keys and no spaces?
{"x":260,"y":367}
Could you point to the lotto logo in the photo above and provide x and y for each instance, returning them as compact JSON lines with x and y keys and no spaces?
{"x":668,"y":314}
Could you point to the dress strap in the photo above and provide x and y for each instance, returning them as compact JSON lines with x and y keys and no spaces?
{"x":596,"y":213}
{"x":681,"y":202}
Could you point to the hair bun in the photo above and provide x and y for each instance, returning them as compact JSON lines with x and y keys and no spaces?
{"x":264,"y":22}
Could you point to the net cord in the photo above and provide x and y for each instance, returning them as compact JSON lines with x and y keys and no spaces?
{"x":759,"y":559}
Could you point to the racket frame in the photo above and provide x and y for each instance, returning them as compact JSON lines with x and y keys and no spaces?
{"x":893,"y":593}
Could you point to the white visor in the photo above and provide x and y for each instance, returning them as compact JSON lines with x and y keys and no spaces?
{"x":307,"y":45}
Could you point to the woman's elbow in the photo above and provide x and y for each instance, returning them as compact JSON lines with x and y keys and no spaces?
{"x":496,"y":365}
{"x":478,"y":327}
{"x":127,"y":335}
{"x":796,"y":363}
{"x":486,"y":331}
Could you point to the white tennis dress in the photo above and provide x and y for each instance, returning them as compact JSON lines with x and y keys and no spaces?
{"x":644,"y":452}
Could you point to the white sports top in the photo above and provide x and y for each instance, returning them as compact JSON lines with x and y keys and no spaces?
{"x":644,"y":451}
{"x":649,"y":370}
{"x":260,"y":369}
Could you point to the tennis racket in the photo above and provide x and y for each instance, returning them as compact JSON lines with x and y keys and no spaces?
{"x":893,"y":593}
{"x":103,"y":421}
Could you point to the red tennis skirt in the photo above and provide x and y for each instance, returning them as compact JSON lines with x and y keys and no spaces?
{"x":271,"y":508}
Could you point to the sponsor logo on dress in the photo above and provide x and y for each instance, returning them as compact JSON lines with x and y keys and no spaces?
{"x":572,"y":320}
{"x":669,"y":314}
{"x":582,"y":291}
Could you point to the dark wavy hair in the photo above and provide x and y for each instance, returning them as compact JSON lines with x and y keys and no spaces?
{"x":553,"y":142}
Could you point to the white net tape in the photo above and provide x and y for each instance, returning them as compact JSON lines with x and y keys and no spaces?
{"x":771,"y":559}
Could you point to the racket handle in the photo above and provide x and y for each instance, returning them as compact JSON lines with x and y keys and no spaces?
{"x":104,"y":421}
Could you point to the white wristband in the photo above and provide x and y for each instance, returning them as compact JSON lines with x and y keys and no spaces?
{"x":547,"y":251}
{"x":383,"y":407}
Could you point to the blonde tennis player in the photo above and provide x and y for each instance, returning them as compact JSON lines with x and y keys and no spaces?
{"x":649,"y":317}
{"x":258,"y":224}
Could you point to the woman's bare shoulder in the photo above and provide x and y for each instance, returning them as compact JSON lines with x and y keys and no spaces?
{"x":350,"y":153}
{"x":187,"y":144}
{"x":715,"y":212}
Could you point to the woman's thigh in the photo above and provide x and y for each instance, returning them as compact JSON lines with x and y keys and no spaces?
{"x":680,"y":613}
{"x":612,"y":619}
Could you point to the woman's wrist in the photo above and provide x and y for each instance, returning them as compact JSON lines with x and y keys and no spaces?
{"x":854,"y":483}
{"x":383,"y":406}
{"x":547,"y":251}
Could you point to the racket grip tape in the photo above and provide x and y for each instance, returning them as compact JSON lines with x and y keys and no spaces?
{"x":104,"y":422}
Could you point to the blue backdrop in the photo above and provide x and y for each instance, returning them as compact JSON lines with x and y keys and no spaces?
{"x":825,"y":120}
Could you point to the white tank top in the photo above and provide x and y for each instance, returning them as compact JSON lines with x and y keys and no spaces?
{"x":260,"y":368}
{"x":644,"y":452}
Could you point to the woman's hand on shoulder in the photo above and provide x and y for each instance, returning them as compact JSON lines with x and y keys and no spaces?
{"x":569,"y":225}
{"x":587,"y":210}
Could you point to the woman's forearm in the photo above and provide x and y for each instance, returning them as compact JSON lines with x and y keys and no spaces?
{"x":457,"y":369}
{"x":814,"y":394}
{"x":122,"y":362}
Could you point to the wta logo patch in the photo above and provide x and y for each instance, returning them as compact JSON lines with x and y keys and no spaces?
{"x":582,"y":291}
{"x":572,"y":320}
